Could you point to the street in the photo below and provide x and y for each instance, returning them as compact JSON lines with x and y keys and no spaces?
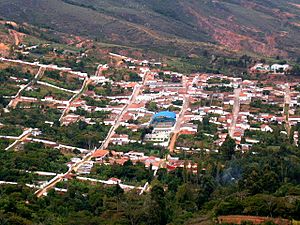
{"x":235,"y":111}
{"x":52,"y":183}
{"x":13,"y":103}
{"x":286,"y":109}
{"x":180,"y":118}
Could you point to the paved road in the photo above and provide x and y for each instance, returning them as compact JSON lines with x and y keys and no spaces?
{"x":235,"y":111}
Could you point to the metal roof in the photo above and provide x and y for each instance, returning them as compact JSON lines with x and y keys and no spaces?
{"x":166,"y":114}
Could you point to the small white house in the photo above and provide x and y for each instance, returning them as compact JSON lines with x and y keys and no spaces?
{"x":266,"y":128}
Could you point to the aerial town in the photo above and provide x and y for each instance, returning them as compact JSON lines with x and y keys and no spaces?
{"x":148,"y":115}
{"x":149,"y":112}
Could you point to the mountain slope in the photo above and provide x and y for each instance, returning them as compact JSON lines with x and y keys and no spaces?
{"x":264,"y":27}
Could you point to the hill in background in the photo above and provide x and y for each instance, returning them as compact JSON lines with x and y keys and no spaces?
{"x":261,"y":27}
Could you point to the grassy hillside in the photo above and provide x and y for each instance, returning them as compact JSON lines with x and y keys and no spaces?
{"x":261,"y":27}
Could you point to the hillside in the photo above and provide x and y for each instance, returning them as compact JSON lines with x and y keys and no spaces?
{"x":263,"y":27}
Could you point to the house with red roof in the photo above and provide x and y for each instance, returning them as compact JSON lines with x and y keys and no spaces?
{"x":99,"y":155}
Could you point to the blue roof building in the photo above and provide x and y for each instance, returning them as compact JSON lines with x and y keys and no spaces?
{"x":164,"y":117}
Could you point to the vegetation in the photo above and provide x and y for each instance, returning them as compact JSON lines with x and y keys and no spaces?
{"x":264,"y":107}
{"x":109,"y":90}
{"x":147,"y":148}
{"x":218,"y":81}
{"x":97,"y":116}
{"x":8,"y":86}
{"x":33,"y":117}
{"x":264,"y":184}
{"x":129,"y":174}
{"x":203,"y":139}
{"x":33,"y":157}
{"x":264,"y":181}
{"x":152,"y":106}
{"x":98,"y":103}
{"x":133,"y":135}
{"x":41,"y":92}
{"x":62,"y":80}
{"x":79,"y":134}
{"x":219,"y":89}
{"x":175,"y":20}
{"x":178,"y":102}
{"x":10,"y":130}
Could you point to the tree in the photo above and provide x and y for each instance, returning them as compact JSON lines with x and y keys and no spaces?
{"x":152,"y":106}
{"x":185,"y":197}
{"x":156,"y":211}
{"x":133,"y":208}
{"x":134,"y":77}
{"x":228,"y":148}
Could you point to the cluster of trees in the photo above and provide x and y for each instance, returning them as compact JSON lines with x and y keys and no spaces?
{"x":33,"y":117}
{"x":32,"y":157}
{"x":264,"y":181}
{"x":219,"y":89}
{"x":169,"y":78}
{"x":11,"y":130}
{"x":86,"y":65}
{"x":14,"y":72}
{"x":5,"y":143}
{"x":79,"y":134}
{"x":218,"y":81}
{"x":40,"y":92}
{"x":3,"y":102}
{"x":206,"y":127}
{"x":204,"y":137}
{"x":178,"y":102}
{"x":152,"y":106}
{"x":62,"y":80}
{"x":108,"y":90}
{"x":133,"y":135}
{"x":98,"y":103}
{"x":98,"y":116}
{"x":134,"y":77}
{"x":123,"y":74}
{"x":276,"y":138}
{"x":89,"y":205}
{"x":264,"y":107}
{"x":134,"y":174}
{"x":9,"y":87}
{"x":42,"y":50}
{"x":295,"y":71}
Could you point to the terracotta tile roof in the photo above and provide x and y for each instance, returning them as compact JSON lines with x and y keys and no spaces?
{"x":100,"y":153}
